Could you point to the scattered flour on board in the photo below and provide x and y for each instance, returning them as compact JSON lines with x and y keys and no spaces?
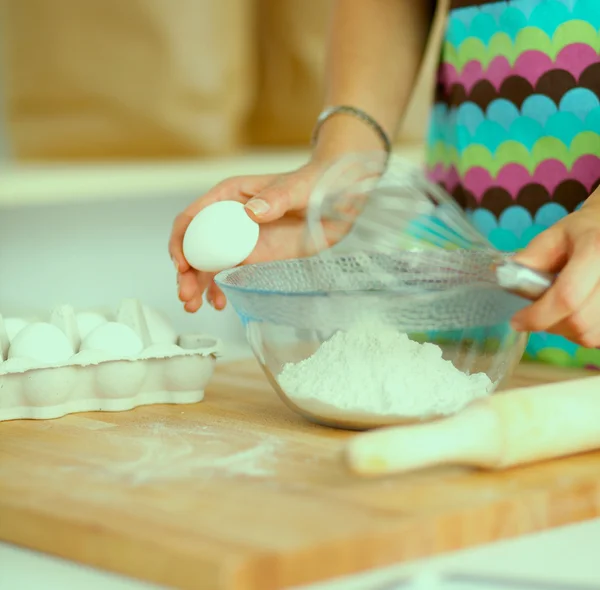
{"x":374,"y":370}
{"x":159,"y":452}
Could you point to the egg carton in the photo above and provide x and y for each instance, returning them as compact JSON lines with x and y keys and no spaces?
{"x":96,"y":361}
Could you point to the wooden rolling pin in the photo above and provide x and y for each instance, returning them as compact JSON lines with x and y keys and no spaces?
{"x":507,"y":429}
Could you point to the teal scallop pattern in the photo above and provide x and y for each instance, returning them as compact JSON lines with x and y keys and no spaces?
{"x":576,"y":116}
{"x":516,"y":227}
{"x":482,"y":22}
{"x":467,"y":125}
{"x":513,"y":231}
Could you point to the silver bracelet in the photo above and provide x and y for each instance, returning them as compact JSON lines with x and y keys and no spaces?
{"x":359,"y":114}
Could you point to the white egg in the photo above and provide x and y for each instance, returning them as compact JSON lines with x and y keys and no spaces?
{"x":4,"y":340}
{"x":220,"y":237}
{"x":42,"y":342}
{"x":88,"y":321}
{"x":14,"y":325}
{"x":118,"y":340}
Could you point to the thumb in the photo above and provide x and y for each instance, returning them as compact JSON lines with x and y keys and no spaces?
{"x":547,"y":252}
{"x":276,"y":200}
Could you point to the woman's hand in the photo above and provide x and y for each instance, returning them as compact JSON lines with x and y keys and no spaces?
{"x":279,"y":201}
{"x":571,"y":307}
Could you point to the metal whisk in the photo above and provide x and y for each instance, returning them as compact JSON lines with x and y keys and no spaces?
{"x":363,"y":208}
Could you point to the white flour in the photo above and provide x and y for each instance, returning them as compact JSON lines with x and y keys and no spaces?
{"x":376,"y":371}
{"x":160,"y":453}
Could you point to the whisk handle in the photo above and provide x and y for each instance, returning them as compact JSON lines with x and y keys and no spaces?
{"x":522,"y":280}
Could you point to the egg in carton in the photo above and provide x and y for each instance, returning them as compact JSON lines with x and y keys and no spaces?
{"x":92,"y":361}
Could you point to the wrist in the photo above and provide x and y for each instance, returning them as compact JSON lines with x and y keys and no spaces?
{"x":343,"y":134}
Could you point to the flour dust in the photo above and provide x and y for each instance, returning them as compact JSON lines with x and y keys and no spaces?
{"x":159,"y":452}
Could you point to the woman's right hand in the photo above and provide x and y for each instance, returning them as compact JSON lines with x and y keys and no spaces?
{"x":276,"y":201}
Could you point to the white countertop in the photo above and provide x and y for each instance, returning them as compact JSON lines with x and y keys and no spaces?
{"x":559,"y":559}
{"x":564,"y":557}
{"x":24,"y":185}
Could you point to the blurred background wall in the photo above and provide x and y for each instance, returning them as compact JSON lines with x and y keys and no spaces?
{"x":160,"y":79}
{"x":90,"y":89}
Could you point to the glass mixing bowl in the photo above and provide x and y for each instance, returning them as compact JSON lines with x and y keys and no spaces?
{"x":289,"y":308}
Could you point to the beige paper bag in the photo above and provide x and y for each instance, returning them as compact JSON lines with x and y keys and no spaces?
{"x":292,"y":46}
{"x":128,"y":78}
{"x":291,"y":38}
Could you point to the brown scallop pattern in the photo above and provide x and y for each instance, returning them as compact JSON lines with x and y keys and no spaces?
{"x":465,"y":3}
{"x":532,"y":197}
{"x":554,"y":84}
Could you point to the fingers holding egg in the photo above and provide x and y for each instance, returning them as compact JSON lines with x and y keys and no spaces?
{"x":216,"y":232}
{"x":219,"y":237}
{"x":192,"y":286}
{"x":194,"y":304}
{"x":231,"y":190}
{"x":180,"y":225}
{"x":216,"y":297}
{"x":187,"y":283}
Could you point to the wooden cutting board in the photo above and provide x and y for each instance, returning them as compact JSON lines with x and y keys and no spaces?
{"x":237,"y":492}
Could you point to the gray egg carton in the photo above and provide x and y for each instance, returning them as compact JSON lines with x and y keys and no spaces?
{"x":89,"y":361}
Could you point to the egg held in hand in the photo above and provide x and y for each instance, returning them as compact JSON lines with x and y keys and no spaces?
{"x":221,"y":236}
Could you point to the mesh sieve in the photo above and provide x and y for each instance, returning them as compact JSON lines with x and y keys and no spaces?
{"x":359,"y":207}
{"x":404,"y":289}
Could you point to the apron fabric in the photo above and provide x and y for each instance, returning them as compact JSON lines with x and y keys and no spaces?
{"x":515,"y":129}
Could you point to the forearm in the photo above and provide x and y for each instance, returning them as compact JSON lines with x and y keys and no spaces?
{"x":593,"y":199}
{"x":375,"y":50}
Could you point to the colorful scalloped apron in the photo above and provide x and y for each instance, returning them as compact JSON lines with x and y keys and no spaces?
{"x":515,"y":131}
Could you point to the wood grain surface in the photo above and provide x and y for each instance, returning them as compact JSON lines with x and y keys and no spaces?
{"x":238,"y":493}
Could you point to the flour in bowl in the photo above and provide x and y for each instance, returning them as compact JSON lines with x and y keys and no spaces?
{"x":373,"y":370}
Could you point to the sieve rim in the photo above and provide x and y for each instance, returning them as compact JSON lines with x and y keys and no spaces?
{"x":223,"y":280}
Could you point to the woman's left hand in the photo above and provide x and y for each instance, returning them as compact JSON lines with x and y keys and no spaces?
{"x":571,"y":307}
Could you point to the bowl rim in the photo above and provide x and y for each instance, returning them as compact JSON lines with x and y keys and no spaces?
{"x":222,"y":277}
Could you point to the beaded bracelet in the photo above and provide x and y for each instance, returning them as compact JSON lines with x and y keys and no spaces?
{"x":356,"y":112}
